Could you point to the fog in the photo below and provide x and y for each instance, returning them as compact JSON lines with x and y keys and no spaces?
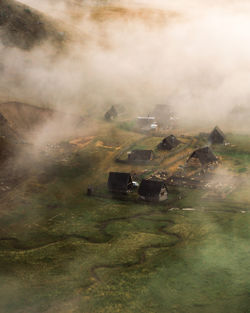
{"x":193,"y":55}
{"x":196,"y":58}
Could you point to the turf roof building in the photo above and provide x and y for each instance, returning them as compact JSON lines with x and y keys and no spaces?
{"x":202,"y":157}
{"x":169,"y":143}
{"x":153,"y":190}
{"x":120,"y":182}
{"x":111,"y":114}
{"x":216,"y":136}
{"x":140,"y":156}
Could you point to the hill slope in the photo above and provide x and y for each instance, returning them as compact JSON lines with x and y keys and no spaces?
{"x":31,"y":122}
{"x":23,"y":117}
{"x":24,"y":27}
{"x":8,"y":139}
{"x":5,"y":129}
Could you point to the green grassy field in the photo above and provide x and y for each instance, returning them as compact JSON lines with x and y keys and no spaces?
{"x":61,"y":251}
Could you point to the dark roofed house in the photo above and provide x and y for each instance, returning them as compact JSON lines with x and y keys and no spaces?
{"x":169,"y":143}
{"x":202,"y":157}
{"x":153,"y":190}
{"x":120,"y":182}
{"x":140,"y":155}
{"x":164,"y":115}
{"x":111,"y":114}
{"x":239,"y":115}
{"x":162,"y":109}
{"x":146,"y":123}
{"x":3,"y":120}
{"x":216,"y":136}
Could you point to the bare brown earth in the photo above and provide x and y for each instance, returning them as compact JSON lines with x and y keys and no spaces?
{"x":118,"y":11}
{"x":24,"y":27}
{"x":150,"y":16}
{"x":24,"y":118}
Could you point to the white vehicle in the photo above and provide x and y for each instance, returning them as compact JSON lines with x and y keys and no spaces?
{"x":154,"y":126}
{"x":135,"y":184}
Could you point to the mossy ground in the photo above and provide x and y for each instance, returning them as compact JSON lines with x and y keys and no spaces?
{"x":61,"y":251}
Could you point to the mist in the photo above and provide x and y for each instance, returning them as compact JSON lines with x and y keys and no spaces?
{"x":192,"y":55}
{"x":196,"y":60}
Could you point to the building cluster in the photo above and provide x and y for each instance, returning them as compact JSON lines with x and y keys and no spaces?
{"x":149,"y":190}
{"x":161,"y":117}
{"x":156,"y":189}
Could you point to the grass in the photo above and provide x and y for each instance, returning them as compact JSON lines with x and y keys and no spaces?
{"x":66,"y":252}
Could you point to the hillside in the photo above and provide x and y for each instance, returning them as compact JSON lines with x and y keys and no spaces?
{"x":32,"y":122}
{"x":63,"y":251}
{"x":8,"y":139}
{"x":6,"y":130}
{"x":23,"y":117}
{"x":150,"y":16}
{"x":23,"y":27}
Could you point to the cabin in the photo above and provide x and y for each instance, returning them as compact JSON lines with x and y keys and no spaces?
{"x":162,"y":109}
{"x":146,"y":123}
{"x":239,"y":110}
{"x":168,"y":143}
{"x":90,"y":191}
{"x":202,"y":157}
{"x":164,"y":115}
{"x":140,"y":155}
{"x":120,"y":182}
{"x":111,"y":114}
{"x":239,"y":115}
{"x":153,"y":190}
{"x":216,"y":136}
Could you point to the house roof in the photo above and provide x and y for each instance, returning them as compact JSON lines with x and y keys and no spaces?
{"x":205,"y":155}
{"x":151,"y":188}
{"x":163,"y":113}
{"x":3,"y":120}
{"x":111,"y":113}
{"x":162,"y":108}
{"x":119,"y":181}
{"x":169,"y":143}
{"x":217,"y":132}
{"x":113,"y":110}
{"x":151,"y":118}
{"x":145,"y":121}
{"x":142,"y":155}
